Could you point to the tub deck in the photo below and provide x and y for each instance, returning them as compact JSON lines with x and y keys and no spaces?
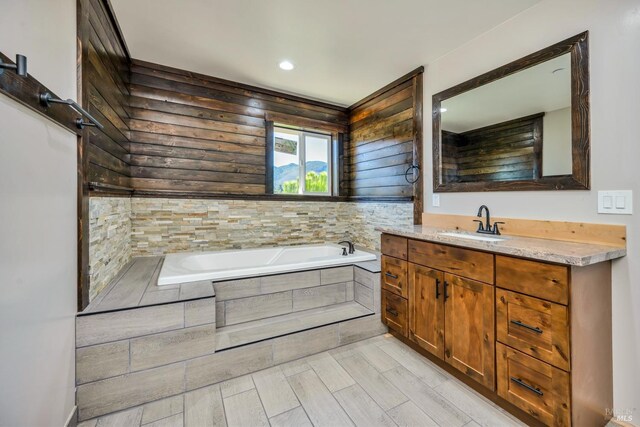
{"x":138,"y":342}
{"x":136,"y":285}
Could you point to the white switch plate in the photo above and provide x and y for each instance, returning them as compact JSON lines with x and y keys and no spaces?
{"x":618,"y":202}
{"x":435,"y":199}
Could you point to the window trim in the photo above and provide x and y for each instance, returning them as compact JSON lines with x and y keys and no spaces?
{"x":332,"y":138}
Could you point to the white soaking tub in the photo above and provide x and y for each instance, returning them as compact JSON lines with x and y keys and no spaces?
{"x":233,"y":264}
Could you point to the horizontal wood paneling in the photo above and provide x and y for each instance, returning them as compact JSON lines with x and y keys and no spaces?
{"x":382,"y":139}
{"x":174,"y":131}
{"x":196,"y":133}
{"x":104,"y":72}
{"x":505,"y":151}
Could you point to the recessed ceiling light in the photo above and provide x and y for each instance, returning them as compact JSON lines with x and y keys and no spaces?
{"x":286,"y":65}
{"x":443,"y":110}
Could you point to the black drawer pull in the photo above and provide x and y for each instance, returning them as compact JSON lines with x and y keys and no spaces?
{"x":527,"y":386}
{"x":524,"y":325}
{"x":392,"y":312}
{"x":446,"y":294}
{"x":393,"y":276}
{"x":437,"y":288}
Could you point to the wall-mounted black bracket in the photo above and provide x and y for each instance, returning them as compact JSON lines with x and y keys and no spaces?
{"x":46,"y":100}
{"x":20,"y":66}
{"x":411,"y":169}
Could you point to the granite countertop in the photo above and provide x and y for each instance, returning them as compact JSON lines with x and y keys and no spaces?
{"x":557,"y":251}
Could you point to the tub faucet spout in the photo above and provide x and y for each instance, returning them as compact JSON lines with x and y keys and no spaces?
{"x":351,"y":247}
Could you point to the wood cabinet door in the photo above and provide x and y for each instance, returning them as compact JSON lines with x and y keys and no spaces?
{"x":426,"y":308}
{"x":469,"y":326}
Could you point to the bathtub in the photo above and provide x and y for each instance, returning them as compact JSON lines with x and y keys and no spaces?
{"x":233,"y":264}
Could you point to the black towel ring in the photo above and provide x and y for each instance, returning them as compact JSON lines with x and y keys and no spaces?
{"x":410,"y":169}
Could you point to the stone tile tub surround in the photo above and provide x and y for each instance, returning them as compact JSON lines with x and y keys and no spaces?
{"x":161,"y":226}
{"x":109,"y":240}
{"x":123,"y":227}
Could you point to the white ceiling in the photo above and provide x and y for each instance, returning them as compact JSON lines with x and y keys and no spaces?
{"x":534,"y":90}
{"x":342,"y":49}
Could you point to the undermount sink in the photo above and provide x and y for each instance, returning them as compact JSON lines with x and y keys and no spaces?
{"x":473,"y":237}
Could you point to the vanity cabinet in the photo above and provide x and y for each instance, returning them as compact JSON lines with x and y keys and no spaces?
{"x":535,"y":335}
{"x":450,"y":311}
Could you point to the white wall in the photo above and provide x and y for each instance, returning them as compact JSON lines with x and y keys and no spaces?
{"x":614,"y":44}
{"x":37,"y":224}
{"x":556,"y":142}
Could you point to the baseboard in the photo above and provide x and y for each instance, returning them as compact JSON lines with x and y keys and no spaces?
{"x":72,"y":420}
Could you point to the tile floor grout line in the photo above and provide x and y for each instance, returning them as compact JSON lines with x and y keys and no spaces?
{"x":296,"y":394}
{"x":159,"y":419}
{"x":343,"y":408}
{"x":325,"y":384}
{"x":449,"y":378}
{"x":368,"y":394}
{"x":224,"y":407}
{"x":255,"y":387}
{"x":184,"y":410}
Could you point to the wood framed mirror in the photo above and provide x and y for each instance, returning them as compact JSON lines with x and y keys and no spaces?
{"x":521,"y":127}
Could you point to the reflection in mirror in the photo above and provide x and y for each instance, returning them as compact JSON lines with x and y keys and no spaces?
{"x":514,"y":128}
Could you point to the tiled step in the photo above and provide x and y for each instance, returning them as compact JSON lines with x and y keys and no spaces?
{"x":263,"y":285}
{"x":249,"y":332}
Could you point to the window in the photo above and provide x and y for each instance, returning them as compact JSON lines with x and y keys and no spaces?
{"x":301,"y":162}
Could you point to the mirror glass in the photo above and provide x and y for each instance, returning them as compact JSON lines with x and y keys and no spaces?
{"x":515,"y":128}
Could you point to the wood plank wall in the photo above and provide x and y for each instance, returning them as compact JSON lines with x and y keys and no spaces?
{"x":170,"y":132}
{"x":382,"y":138}
{"x":104,"y":89}
{"x":505,"y":151}
{"x":191,"y":133}
{"x":173,"y":132}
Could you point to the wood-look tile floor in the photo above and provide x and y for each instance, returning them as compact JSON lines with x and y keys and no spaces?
{"x":376,"y":382}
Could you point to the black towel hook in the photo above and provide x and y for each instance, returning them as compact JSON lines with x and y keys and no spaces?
{"x":46,"y":100}
{"x":20,"y":66}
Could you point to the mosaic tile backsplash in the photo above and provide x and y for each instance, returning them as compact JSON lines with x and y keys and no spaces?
{"x":159,"y":226}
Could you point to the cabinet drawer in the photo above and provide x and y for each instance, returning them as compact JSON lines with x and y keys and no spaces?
{"x":394,"y":312}
{"x":533,"y":386}
{"x":538,"y":279}
{"x":394,"y":246}
{"x":462,"y":262}
{"x":536,"y":327}
{"x":394,"y":275}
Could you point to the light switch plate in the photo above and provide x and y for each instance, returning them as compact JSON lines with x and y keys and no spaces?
{"x":618,"y":202}
{"x":435,"y":199}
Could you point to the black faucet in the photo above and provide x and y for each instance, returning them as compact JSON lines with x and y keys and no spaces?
{"x":487,"y":228}
{"x":352,"y":249}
